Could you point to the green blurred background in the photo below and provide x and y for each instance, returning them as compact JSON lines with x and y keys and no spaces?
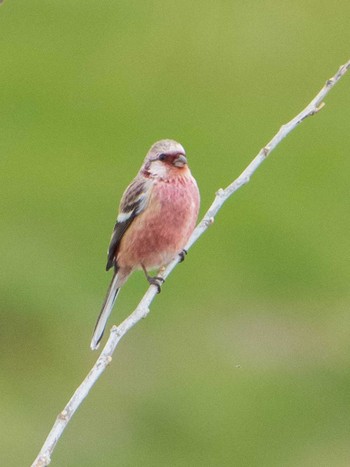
{"x":245,"y":357}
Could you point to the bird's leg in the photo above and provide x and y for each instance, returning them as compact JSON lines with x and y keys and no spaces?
{"x":157,"y":280}
{"x":182,"y":255}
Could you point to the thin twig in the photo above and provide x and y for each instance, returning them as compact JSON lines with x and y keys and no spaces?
{"x":142,"y":310}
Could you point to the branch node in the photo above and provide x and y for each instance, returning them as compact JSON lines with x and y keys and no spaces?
{"x":220,"y":193}
{"x":266,"y":150}
{"x":63,"y":415}
{"x":104,"y":360}
{"x":115,"y":330}
{"x":42,"y":461}
{"x":320,"y":106}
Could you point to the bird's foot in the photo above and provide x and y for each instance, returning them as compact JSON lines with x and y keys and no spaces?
{"x":182,"y":255}
{"x":157,"y":281}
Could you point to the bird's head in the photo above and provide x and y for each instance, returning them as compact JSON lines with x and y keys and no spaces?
{"x":165,"y":157}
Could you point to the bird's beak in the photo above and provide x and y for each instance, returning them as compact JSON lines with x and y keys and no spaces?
{"x":180,"y":160}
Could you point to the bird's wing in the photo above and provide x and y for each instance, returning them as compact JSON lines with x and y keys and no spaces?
{"x":133,"y":203}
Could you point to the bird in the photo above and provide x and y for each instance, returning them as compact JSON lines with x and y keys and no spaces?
{"x":157,"y":215}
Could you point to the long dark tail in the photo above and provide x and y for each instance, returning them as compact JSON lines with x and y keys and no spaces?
{"x":105,"y":312}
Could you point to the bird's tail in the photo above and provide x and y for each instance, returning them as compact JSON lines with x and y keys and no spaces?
{"x":105,"y":312}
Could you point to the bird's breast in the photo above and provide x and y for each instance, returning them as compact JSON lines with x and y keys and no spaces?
{"x":158,"y":234}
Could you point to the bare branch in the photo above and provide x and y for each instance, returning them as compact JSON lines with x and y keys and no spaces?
{"x":142,"y":310}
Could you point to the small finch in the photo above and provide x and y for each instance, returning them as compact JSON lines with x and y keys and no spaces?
{"x":157,"y":215}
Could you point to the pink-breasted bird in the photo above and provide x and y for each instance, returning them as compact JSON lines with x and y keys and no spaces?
{"x":157,"y":214}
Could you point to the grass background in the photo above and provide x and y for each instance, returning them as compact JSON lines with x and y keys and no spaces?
{"x":245,"y":357}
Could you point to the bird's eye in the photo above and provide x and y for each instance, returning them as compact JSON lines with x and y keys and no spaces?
{"x":162,"y":157}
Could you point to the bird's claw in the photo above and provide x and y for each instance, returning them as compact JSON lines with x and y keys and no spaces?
{"x":157,"y":281}
{"x":182,"y":255}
